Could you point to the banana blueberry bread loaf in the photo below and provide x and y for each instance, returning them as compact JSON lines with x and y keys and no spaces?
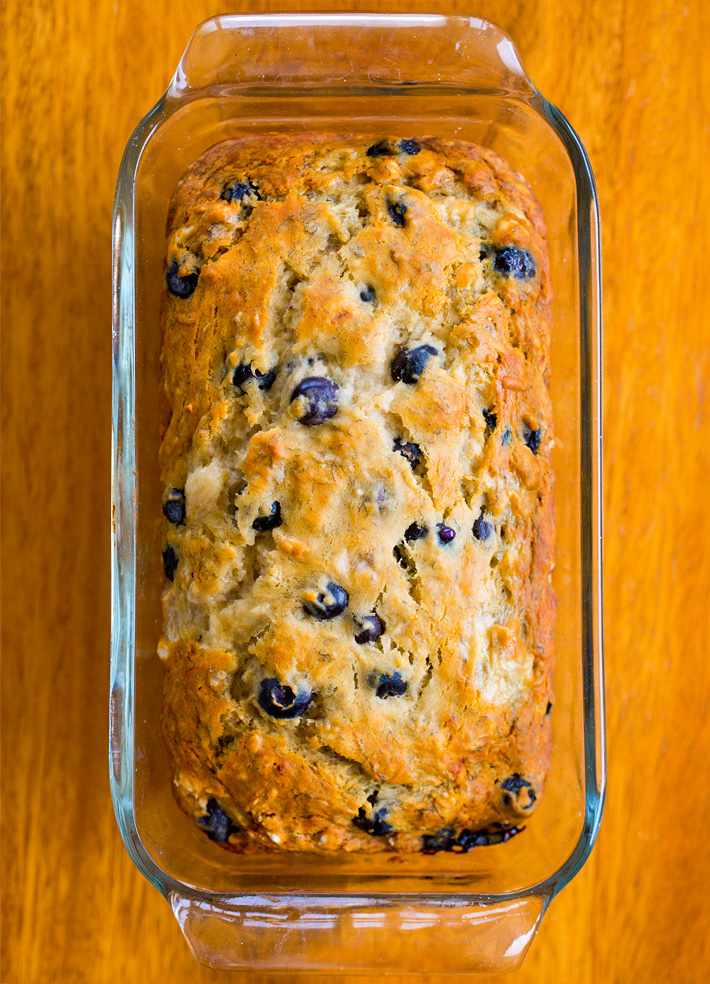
{"x":358,"y":538}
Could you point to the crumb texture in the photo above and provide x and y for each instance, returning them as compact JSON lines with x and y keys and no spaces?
{"x":358,"y":512}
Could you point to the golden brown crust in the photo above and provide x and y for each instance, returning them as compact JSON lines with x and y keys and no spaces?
{"x":306,"y":255}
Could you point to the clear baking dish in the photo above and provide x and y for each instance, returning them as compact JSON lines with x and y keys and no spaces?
{"x":448,"y":913}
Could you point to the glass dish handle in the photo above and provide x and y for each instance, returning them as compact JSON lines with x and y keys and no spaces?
{"x":233,"y":53}
{"x":385,"y":935}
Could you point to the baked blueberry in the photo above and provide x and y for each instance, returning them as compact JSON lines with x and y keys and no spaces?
{"x":410,"y":147}
{"x":482,"y":529}
{"x":238,"y":190}
{"x":484,"y":838}
{"x":515,"y":783}
{"x":370,"y":627}
{"x":514,"y":786}
{"x":265,"y":380}
{"x":391,"y":685}
{"x":383,"y":148}
{"x":329,"y":603}
{"x":170,"y":562}
{"x":281,"y":701}
{"x":216,"y":823}
{"x":372,"y":798}
{"x":263,"y":523}
{"x":367,"y":294}
{"x":180,"y":286}
{"x":244,"y":374}
{"x":511,"y":261}
{"x":491,"y":419}
{"x":412,"y":452}
{"x":415,"y":532}
{"x":397,"y":211}
{"x":174,"y":507}
{"x":446,"y":534}
{"x":376,"y":825}
{"x":468,"y":839}
{"x":408,"y":364}
{"x":532,"y":439}
{"x":499,"y":833}
{"x":505,"y":439}
{"x":321,"y":396}
{"x":234,"y":192}
{"x":442,"y":840}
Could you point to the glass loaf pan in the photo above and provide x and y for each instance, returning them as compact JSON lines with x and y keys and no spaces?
{"x":391,"y":74}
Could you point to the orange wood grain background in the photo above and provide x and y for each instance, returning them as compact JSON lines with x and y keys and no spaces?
{"x":633,"y":76}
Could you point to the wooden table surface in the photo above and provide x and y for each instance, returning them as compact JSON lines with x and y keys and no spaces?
{"x":633,"y":76}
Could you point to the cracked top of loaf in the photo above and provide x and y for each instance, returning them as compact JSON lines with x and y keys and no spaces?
{"x":358,"y":538}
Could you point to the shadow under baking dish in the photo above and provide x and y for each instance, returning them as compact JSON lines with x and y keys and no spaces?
{"x":342,"y":73}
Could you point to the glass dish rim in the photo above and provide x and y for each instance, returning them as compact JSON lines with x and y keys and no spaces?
{"x":123,"y":477}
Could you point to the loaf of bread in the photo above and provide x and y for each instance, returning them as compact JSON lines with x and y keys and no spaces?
{"x":358,"y":539}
